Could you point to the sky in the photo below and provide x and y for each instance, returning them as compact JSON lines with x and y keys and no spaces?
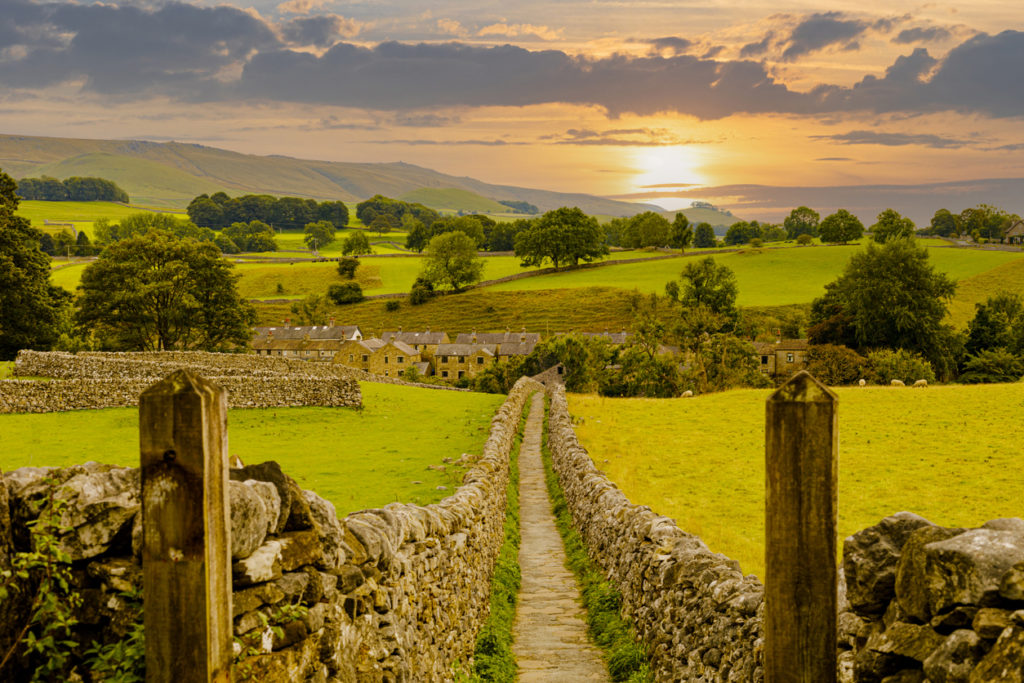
{"x":647,"y":100}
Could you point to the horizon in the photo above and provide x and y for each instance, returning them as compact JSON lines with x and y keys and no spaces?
{"x":638,"y":101}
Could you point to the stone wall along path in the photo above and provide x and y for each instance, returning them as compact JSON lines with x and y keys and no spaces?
{"x":550,"y":633}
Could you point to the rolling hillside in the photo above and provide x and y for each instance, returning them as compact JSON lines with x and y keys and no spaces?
{"x":170,"y":174}
{"x":452,"y":199}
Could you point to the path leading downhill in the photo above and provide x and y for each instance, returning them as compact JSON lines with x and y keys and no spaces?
{"x":550,"y":632}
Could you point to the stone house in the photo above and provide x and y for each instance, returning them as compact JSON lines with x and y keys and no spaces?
{"x":304,"y":342}
{"x":387,"y":358}
{"x":506,"y":337}
{"x":425,"y":342}
{"x":1015,"y":234}
{"x":453,"y":361}
{"x":781,"y":359}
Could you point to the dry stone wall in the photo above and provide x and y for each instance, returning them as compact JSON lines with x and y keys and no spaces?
{"x":393,"y":594}
{"x":694,"y":608}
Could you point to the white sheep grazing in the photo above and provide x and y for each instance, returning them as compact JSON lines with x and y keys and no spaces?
{"x":921,"y":383}
{"x":897,"y":383}
{"x":687,"y":394}
{"x":862,"y":382}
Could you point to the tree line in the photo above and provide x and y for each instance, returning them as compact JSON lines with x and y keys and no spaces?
{"x":280,"y":213}
{"x":74,"y":189}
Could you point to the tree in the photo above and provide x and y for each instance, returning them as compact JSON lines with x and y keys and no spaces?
{"x":681,"y":233}
{"x":648,"y":229}
{"x":801,"y":221}
{"x":993,"y":365}
{"x":356,"y":243}
{"x":347,"y":267}
{"x":422,"y":291}
{"x":841,"y":226}
{"x":891,"y":297}
{"x":742,"y":232}
{"x":345,"y":293}
{"x":562,"y":236}
{"x":254,"y":236}
{"x":158,"y":292}
{"x":82,"y":245}
{"x":452,"y":261}
{"x":891,"y":226}
{"x":318,"y":235}
{"x":381,"y":224}
{"x":704,"y":236}
{"x":313,"y":310}
{"x":944,"y":224}
{"x":706,"y":283}
{"x":999,"y":322}
{"x":205,"y":212}
{"x":335,"y":212}
{"x":31,"y":308}
{"x":835,"y":364}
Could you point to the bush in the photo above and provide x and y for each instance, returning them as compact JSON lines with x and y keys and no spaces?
{"x":757,"y":243}
{"x":347,"y":267}
{"x":422,"y":291}
{"x":835,"y":364}
{"x":392,"y":305}
{"x":345,"y":293}
{"x":993,"y":365}
{"x":906,"y":366}
{"x":804,"y":239}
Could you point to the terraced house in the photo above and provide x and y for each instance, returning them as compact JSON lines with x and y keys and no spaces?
{"x":304,"y":342}
{"x":454,"y":361}
{"x":388,"y":358}
{"x":425,"y":342}
{"x":781,"y":359}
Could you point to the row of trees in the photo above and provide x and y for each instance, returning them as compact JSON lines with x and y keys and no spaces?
{"x":74,"y":189}
{"x":980,"y":222}
{"x":282,"y":213}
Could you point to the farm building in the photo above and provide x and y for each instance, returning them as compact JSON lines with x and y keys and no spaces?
{"x":453,"y":361}
{"x":388,"y":358}
{"x":1015,"y":234}
{"x":306,"y":342}
{"x":425,"y":342}
{"x":781,"y":359}
{"x":506,"y":337}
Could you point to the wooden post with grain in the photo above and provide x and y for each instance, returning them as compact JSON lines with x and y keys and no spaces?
{"x":801,"y":462}
{"x":186,"y":548}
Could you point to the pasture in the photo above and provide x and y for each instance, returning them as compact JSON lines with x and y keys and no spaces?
{"x":82,"y":214}
{"x":357,"y":459}
{"x":948,"y":453}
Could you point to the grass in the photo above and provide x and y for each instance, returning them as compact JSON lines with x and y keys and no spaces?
{"x":767,"y":277}
{"x":82,"y":214}
{"x":493,"y":659}
{"x":625,"y":656}
{"x":6,"y":369}
{"x":1008,"y":277}
{"x":357,"y":459}
{"x":948,"y":453}
{"x":453,"y":199}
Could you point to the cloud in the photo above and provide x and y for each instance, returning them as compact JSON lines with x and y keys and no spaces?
{"x":835,"y":159}
{"x":517,"y":30}
{"x":452,"y":27}
{"x":822,"y":30}
{"x":425,"y":120}
{"x":322,"y":30}
{"x":301,"y":6}
{"x":759,"y":48}
{"x":869,"y":137}
{"x":670,"y":45}
{"x":441,"y":143}
{"x":620,"y":137}
{"x":923,"y":34}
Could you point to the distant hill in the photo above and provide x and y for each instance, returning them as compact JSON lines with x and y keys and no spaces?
{"x":718,"y":219}
{"x":170,"y":174}
{"x":454,"y":200}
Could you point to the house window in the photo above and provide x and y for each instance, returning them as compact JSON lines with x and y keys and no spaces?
{"x":307,"y":353}
{"x":401,"y":359}
{"x":764,"y":360}
{"x":351,"y":357}
{"x":479,"y":360}
{"x":462,"y":359}
{"x":444,"y":359}
{"x":385,"y":360}
{"x":366,"y":358}
{"x":789,"y":358}
{"x":444,"y":373}
{"x":385,"y":373}
{"x":461,"y":373}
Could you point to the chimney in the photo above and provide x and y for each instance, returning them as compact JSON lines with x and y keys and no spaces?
{"x":332,"y":322}
{"x":270,"y":332}
{"x":474,"y":337}
{"x":287,"y":321}
{"x":522,"y":337}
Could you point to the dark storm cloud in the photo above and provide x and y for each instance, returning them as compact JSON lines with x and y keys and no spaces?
{"x":220,"y":53}
{"x":870,"y":137}
{"x":926,"y":34}
{"x":822,"y":30}
{"x":759,"y":48}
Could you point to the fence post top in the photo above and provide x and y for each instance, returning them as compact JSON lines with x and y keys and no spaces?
{"x":803,"y":388}
{"x":181,"y":382}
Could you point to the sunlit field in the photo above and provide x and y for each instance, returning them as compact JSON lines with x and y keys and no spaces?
{"x":355,"y":458}
{"x":948,"y":453}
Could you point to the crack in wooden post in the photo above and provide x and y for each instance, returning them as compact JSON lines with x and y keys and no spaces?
{"x":186,"y":545}
{"x":801,"y":461}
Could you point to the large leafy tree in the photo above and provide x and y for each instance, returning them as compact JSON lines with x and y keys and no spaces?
{"x":319,"y":234}
{"x":892,"y":225}
{"x":841,"y":226}
{"x":452,"y":261}
{"x":30,"y":307}
{"x":681,"y":234}
{"x":562,"y":236}
{"x":159,"y":292}
{"x":707,"y":283}
{"x":704,"y":236}
{"x":801,"y":221}
{"x":888,"y":296}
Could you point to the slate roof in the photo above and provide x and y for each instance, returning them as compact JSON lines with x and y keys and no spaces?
{"x":516,"y":348}
{"x":1016,"y":230}
{"x":340,"y":332}
{"x":505,"y":337}
{"x":613,"y":337}
{"x":458,"y":349}
{"x":426,"y":337}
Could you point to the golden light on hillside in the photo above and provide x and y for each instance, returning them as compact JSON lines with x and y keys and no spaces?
{"x":664,"y":166}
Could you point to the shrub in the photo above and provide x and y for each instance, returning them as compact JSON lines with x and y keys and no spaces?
{"x":345,"y":293}
{"x":422,"y":291}
{"x":804,"y":239}
{"x":836,"y":364}
{"x":347,"y":267}
{"x":993,"y":365}
{"x":392,"y":305}
{"x":887,"y":365}
{"x":757,"y":243}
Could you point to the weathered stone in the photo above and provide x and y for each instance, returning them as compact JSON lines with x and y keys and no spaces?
{"x":249,"y":599}
{"x":119,"y":573}
{"x":349,"y":578}
{"x":1005,"y":661}
{"x":848,"y":626}
{"x":870,"y":558}
{"x":292,"y":632}
{"x":953,"y":661}
{"x":293,"y":502}
{"x":364,"y":539}
{"x":299,"y":548}
{"x":293,"y":584}
{"x":1014,"y":524}
{"x":330,"y":530}
{"x":912,"y":590}
{"x":968,"y":568}
{"x":6,"y":531}
{"x":263,"y":565}
{"x":314,"y":618}
{"x":990,"y":622}
{"x":905,"y":676}
{"x":100,"y":505}
{"x":905,"y":640}
{"x":1011,"y":586}
{"x":255,"y":507}
{"x":249,"y":621}
{"x":957,"y":618}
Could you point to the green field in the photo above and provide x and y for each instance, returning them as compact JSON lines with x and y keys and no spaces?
{"x":451,"y":200}
{"x":357,"y":459}
{"x":1008,"y":277}
{"x":948,"y":453}
{"x":768,"y":277}
{"x":82,"y":214}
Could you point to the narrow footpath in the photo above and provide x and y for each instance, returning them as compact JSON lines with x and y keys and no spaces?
{"x":550,"y":630}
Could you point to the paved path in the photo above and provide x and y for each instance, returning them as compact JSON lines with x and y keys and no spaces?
{"x":550,"y":632}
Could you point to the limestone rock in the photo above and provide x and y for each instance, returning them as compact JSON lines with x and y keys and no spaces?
{"x":905,"y":640}
{"x":870,"y":558}
{"x":1005,"y":662}
{"x":295,"y":514}
{"x":255,"y":510}
{"x":957,"y":618}
{"x":905,"y":676}
{"x":331,"y":533}
{"x":912,"y":590}
{"x":1011,"y":586}
{"x":6,"y":531}
{"x":262,"y":565}
{"x":100,"y":505}
{"x":1015,"y":524}
{"x":990,"y":622}
{"x":967,"y":569}
{"x":299,"y":548}
{"x":953,"y":661}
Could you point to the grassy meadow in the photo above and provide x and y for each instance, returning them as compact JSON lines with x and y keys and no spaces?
{"x":357,"y":459}
{"x":948,"y":453}
{"x":82,"y":214}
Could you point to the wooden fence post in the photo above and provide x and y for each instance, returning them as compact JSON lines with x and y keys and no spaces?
{"x":801,"y":447}
{"x":186,"y":548}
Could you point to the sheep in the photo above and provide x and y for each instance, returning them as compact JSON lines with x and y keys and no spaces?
{"x":687,"y":394}
{"x":897,"y":383}
{"x":921,"y":383}
{"x":862,"y":382}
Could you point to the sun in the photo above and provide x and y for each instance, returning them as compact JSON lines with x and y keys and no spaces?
{"x":667,"y":166}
